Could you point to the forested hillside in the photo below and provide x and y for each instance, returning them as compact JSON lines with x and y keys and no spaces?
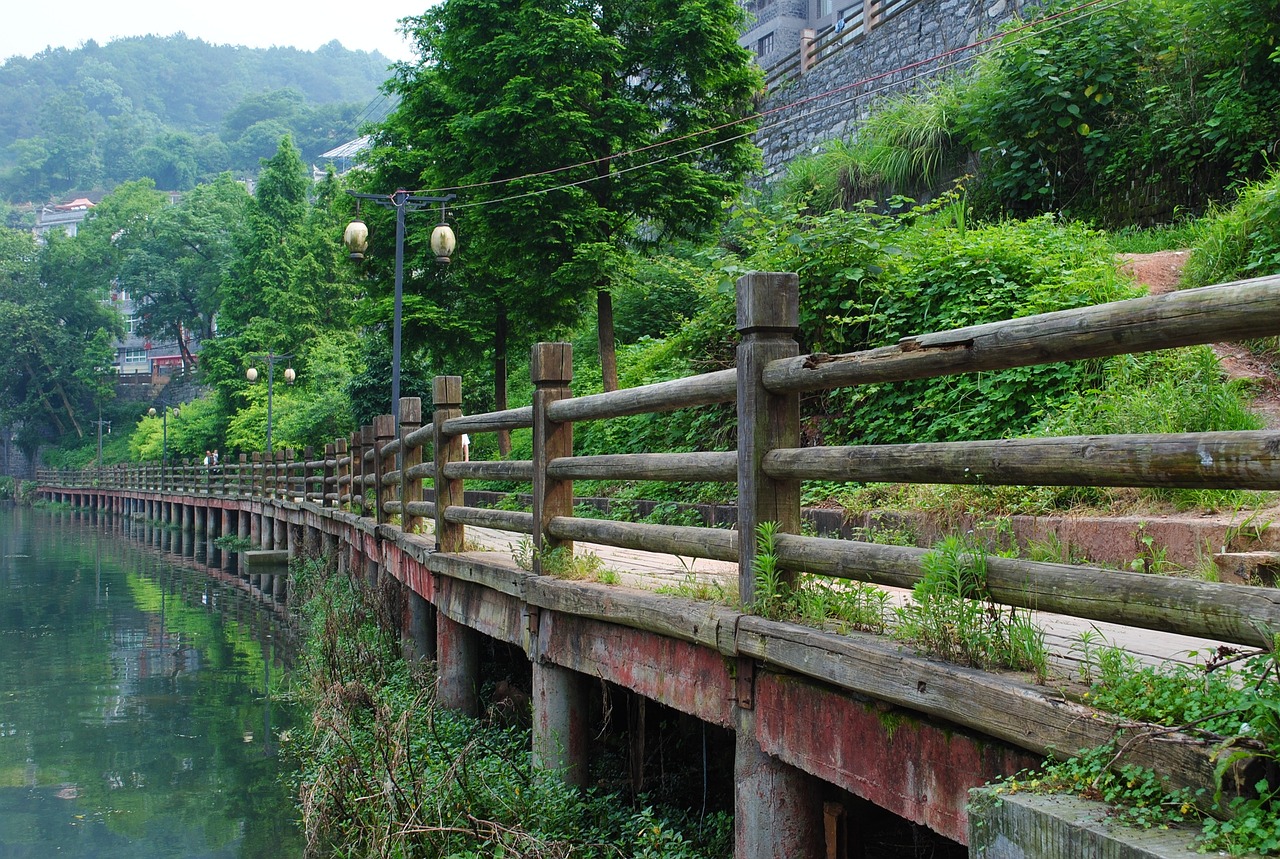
{"x":176,"y":110}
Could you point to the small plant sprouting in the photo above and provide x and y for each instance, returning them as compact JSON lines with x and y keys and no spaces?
{"x":953,"y":616}
{"x":773,"y":591}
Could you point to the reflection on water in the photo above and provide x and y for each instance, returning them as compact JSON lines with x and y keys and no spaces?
{"x":134,"y":715}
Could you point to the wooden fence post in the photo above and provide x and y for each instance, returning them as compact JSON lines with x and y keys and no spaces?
{"x":768,"y":318}
{"x":342,"y":452}
{"x":329,"y":475}
{"x":410,"y":490}
{"x":384,"y":430}
{"x":446,"y":395}
{"x":551,"y":368}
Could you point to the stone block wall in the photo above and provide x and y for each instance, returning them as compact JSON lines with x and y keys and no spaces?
{"x":918,"y":32}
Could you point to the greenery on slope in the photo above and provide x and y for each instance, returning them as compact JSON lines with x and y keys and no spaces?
{"x":175,"y":110}
{"x":385,"y":772}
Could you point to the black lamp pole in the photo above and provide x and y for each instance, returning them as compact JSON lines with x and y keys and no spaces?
{"x":402,"y":201}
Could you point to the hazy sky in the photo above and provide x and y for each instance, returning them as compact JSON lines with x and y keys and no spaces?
{"x":29,"y":27}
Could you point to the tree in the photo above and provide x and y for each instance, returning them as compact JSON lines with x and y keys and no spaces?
{"x":55,"y":343}
{"x":509,"y":93}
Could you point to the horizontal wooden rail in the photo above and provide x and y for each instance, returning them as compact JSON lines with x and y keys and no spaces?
{"x":501,"y":469}
{"x":422,"y":508}
{"x":709,"y":466}
{"x":1213,"y":460}
{"x":1235,"y":613}
{"x":681,"y":540}
{"x":707,"y":389}
{"x":511,"y":419}
{"x":1211,"y":314}
{"x":422,"y":471}
{"x":485,"y":517}
{"x":421,"y":437}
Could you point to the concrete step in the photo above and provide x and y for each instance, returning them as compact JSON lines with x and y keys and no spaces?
{"x":1248,"y":568}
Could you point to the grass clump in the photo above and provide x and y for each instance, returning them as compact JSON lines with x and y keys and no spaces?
{"x":953,"y":616}
{"x":387,"y":773}
{"x":1231,"y":699}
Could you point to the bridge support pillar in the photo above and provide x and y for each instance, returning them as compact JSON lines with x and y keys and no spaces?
{"x":255,"y":529}
{"x":200,"y":519}
{"x":189,"y":517}
{"x":560,"y":729}
{"x":420,"y":634}
{"x":458,"y":652}
{"x":282,"y":534}
{"x":777,"y":808}
{"x":228,"y":521}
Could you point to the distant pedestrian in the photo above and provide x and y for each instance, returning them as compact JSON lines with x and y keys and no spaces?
{"x":466,"y":448}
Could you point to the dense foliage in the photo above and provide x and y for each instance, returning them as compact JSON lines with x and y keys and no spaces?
{"x":640,"y":95}
{"x":387,"y":773}
{"x":175,"y":110}
{"x":1118,"y":113}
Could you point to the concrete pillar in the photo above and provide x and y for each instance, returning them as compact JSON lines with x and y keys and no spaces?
{"x":560,"y":729}
{"x":189,"y":517}
{"x":228,"y":521}
{"x":292,"y":543}
{"x":458,"y":672}
{"x":255,"y":528}
{"x":200,"y":519}
{"x":282,"y":534}
{"x":777,"y":808}
{"x":420,"y":631}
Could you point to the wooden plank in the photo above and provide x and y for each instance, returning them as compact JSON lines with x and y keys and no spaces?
{"x":1211,"y":460}
{"x":1212,"y":314}
{"x":1030,"y":717}
{"x":708,"y":466}
{"x":1236,"y":613}
{"x":681,"y":540}
{"x":717,"y":387}
{"x":687,"y":620}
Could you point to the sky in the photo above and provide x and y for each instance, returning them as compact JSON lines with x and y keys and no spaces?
{"x":30,"y":27}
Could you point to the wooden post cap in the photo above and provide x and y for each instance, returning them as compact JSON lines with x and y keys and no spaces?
{"x":768,"y":300}
{"x":551,"y":362}
{"x":446,"y":392}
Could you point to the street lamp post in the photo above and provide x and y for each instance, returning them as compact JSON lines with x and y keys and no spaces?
{"x":252,"y":375}
{"x":356,"y":238}
{"x":101,"y":423}
{"x":164,"y":438}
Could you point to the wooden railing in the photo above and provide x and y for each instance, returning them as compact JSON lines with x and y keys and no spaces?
{"x":379,"y":475}
{"x":818,"y":46}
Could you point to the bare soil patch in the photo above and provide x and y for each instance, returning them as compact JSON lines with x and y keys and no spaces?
{"x":1161,"y":272}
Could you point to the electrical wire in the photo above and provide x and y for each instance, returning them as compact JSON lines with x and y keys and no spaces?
{"x":1030,"y":29}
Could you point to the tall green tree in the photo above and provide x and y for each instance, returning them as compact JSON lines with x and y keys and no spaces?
{"x":56,"y":344}
{"x":508,"y":94}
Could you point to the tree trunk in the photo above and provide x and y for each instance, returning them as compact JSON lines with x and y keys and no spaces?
{"x":500,"y":378}
{"x":604,"y":328}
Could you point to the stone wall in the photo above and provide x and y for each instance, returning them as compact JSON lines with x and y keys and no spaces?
{"x":917,"y":32}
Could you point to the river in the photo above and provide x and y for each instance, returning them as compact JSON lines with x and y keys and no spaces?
{"x":135,"y":714}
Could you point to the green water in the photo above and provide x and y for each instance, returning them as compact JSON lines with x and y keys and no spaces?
{"x":134,"y":719}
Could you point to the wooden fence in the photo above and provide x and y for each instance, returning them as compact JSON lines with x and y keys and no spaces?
{"x":377,"y":474}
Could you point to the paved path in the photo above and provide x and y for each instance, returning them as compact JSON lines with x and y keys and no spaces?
{"x":1063,"y":634}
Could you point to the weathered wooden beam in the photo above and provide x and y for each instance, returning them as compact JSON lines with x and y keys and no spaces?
{"x":1237,"y":613}
{"x":1031,"y":717}
{"x":510,"y":419}
{"x":487,"y":517}
{"x":551,"y":370}
{"x":502,"y":469}
{"x":681,"y":540}
{"x":768,"y":317}
{"x":709,"y":388}
{"x":708,"y":466}
{"x":447,"y":397}
{"x":1212,"y":314}
{"x":1211,"y":460}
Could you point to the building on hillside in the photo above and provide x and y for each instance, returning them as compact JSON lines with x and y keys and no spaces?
{"x":342,"y":158}
{"x":141,"y":360}
{"x":775,"y":27}
{"x":62,"y":216}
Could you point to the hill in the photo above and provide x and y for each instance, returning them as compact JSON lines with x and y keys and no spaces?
{"x":174,"y":109}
